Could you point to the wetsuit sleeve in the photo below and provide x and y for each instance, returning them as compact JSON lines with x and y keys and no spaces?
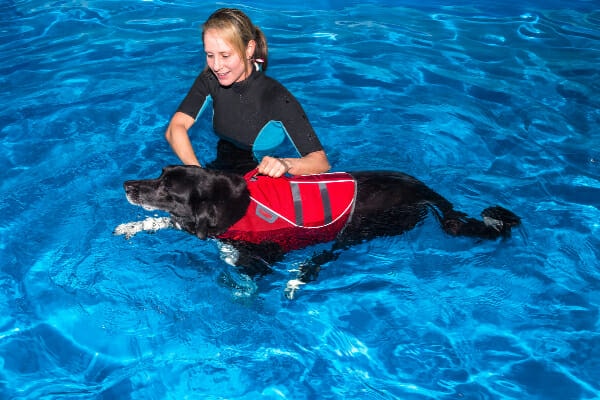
{"x":296,"y":123}
{"x":197,"y":95}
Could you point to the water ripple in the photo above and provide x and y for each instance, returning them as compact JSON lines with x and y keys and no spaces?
{"x":486,"y":103}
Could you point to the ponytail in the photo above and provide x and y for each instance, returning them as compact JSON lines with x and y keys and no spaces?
{"x":261,"y":51}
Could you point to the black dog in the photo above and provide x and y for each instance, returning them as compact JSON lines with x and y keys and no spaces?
{"x":215,"y":204}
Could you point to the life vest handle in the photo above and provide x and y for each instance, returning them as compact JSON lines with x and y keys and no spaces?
{"x":251,"y":174}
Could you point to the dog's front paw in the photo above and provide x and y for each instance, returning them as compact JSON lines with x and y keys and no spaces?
{"x":150,"y":224}
{"x":228,"y":253}
{"x":128,"y":230}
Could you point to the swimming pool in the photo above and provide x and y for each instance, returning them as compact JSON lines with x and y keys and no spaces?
{"x":487,"y":104}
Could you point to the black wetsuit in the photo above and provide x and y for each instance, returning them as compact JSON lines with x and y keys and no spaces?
{"x":242,"y":110}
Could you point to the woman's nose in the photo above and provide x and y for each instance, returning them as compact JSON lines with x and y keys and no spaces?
{"x":216,"y":64}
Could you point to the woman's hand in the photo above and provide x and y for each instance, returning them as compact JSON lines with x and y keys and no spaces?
{"x":273,"y":167}
{"x":312,"y":163}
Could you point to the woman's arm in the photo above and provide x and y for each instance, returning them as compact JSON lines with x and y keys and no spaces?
{"x":312,"y":163}
{"x":178,"y":138}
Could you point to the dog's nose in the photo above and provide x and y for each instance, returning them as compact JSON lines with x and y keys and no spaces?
{"x":128,"y":186}
{"x":131,"y":191}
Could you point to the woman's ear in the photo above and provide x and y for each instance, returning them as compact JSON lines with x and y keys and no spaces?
{"x":250,"y":49}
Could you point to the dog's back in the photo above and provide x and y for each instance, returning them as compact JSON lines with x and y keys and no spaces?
{"x":390,"y":203}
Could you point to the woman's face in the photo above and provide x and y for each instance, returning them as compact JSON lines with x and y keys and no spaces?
{"x":223,"y":60}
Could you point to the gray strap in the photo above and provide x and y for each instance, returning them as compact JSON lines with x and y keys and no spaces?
{"x":297,"y":203}
{"x":326,"y":202}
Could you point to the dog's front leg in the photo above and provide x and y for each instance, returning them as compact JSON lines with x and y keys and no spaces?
{"x":251,"y":259}
{"x":150,"y":224}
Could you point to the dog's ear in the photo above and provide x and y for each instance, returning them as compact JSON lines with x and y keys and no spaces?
{"x":204,"y":214}
{"x":205,"y":221}
{"x":198,"y":224}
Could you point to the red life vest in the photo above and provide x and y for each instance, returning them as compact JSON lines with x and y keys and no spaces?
{"x":295,"y":212}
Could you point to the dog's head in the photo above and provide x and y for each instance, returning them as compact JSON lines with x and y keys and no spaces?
{"x":200,"y":201}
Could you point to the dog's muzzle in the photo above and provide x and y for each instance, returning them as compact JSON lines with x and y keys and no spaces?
{"x":132,"y":193}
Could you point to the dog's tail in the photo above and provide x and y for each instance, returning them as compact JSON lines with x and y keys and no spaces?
{"x":497,"y":221}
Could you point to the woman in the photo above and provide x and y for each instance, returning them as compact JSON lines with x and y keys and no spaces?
{"x":245,"y":101}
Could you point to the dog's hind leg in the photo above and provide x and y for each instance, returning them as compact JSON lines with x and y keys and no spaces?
{"x":497,"y":222}
{"x":309,"y":270}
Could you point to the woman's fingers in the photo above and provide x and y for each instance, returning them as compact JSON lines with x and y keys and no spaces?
{"x":273,"y":167}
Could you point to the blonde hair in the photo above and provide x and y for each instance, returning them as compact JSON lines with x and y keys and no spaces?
{"x":238,"y":30}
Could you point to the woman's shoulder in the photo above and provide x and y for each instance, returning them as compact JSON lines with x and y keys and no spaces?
{"x":260,"y":75}
{"x":269,"y":84}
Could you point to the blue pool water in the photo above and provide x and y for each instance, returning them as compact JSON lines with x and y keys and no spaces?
{"x":489,"y":103}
